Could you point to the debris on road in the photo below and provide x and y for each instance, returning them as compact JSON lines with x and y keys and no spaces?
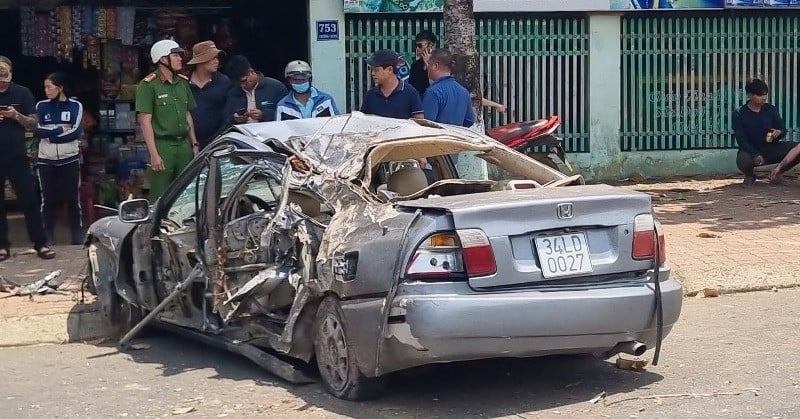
{"x":182,"y":410}
{"x":705,"y":235}
{"x":598,"y":398}
{"x":661,"y":397}
{"x":47,"y":285}
{"x":708,"y":293}
{"x":7,"y":285}
{"x":631,"y":364}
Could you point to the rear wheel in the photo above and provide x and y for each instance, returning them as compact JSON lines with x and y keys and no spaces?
{"x":336,"y":358}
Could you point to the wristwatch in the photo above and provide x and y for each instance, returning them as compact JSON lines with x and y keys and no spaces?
{"x":195,"y":144}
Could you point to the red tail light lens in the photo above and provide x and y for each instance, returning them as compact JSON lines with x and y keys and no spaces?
{"x":644,"y":239}
{"x":448,"y":255}
{"x":478,"y":254}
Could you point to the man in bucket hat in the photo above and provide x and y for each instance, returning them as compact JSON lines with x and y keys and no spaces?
{"x":210,"y":90}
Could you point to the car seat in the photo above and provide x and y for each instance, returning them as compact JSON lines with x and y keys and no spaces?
{"x":407,"y":181}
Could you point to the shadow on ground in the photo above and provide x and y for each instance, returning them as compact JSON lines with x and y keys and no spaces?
{"x":724,"y":205}
{"x":490,"y":388}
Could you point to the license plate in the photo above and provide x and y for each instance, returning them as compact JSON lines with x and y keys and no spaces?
{"x":564,"y":255}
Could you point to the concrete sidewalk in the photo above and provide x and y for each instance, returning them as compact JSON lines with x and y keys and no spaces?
{"x":719,"y":235}
{"x":48,"y":318}
{"x":723,"y":235}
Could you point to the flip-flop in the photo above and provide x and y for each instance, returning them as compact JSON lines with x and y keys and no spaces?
{"x":45,"y":252}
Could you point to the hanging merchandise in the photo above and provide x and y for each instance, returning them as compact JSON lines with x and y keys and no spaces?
{"x":44,"y":45}
{"x":141,"y":35}
{"x":27,"y":20}
{"x":64,"y":33}
{"x":77,"y":27}
{"x":91,"y":54}
{"x":111,"y":22}
{"x":100,"y":22}
{"x":126,"y":18}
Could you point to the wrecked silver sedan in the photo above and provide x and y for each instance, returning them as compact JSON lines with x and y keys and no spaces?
{"x":372,"y":245}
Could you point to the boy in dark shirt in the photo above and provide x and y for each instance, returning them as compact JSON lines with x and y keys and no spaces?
{"x":759,"y":129}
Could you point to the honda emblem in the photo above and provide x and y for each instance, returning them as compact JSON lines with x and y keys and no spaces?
{"x":564,"y":211}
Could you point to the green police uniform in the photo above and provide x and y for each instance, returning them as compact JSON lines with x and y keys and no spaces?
{"x":169,"y":102}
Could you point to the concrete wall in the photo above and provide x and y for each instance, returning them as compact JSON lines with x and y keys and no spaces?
{"x":328,"y":57}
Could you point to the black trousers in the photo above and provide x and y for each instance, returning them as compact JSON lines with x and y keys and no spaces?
{"x":18,"y":171}
{"x":60,"y":185}
{"x":772,"y":155}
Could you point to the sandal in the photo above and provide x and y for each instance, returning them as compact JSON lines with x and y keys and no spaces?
{"x":45,"y":252}
{"x":5,"y":254}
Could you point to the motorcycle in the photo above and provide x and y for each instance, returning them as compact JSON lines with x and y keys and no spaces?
{"x":525,"y":137}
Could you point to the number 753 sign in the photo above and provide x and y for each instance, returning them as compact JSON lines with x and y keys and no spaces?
{"x":327,"y":30}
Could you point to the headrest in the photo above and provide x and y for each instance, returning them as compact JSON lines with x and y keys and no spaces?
{"x":407,"y":181}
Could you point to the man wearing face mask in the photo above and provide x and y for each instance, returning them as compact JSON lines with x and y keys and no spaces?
{"x":303,"y":101}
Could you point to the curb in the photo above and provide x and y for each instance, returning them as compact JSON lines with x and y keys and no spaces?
{"x":52,"y":328}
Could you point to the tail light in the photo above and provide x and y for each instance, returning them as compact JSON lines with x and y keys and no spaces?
{"x":644,"y":239}
{"x":451,"y":255}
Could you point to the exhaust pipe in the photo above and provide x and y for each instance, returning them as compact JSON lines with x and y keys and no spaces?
{"x":630,"y":348}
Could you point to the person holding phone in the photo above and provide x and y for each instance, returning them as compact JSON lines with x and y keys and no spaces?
{"x":18,"y":115}
{"x":424,"y":43}
{"x":59,"y":131}
{"x":257,"y":97}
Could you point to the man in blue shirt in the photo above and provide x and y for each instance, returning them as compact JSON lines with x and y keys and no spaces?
{"x":210,"y":89}
{"x":304,"y":101}
{"x":391,"y":97}
{"x":446,"y":100}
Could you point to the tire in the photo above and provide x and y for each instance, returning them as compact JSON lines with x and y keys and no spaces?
{"x":335,"y":356}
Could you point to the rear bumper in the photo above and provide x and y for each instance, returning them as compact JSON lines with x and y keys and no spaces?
{"x":463,"y":324}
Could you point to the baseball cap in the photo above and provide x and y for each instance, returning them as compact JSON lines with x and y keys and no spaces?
{"x":5,"y":72}
{"x":383,"y":58}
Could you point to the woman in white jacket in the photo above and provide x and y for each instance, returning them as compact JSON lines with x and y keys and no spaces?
{"x":59,"y":132}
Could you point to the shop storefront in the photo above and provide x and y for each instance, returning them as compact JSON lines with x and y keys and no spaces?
{"x":104,"y":49}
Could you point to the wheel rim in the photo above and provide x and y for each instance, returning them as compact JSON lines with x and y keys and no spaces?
{"x":333,"y":353}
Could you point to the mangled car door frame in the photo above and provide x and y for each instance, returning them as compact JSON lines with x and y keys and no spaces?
{"x":149,"y":239}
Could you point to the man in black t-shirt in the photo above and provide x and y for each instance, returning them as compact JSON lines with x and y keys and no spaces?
{"x":18,"y":115}
{"x":759,"y":129}
{"x":424,"y":44}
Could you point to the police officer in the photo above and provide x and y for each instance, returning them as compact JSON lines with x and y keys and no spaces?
{"x":163,"y":101}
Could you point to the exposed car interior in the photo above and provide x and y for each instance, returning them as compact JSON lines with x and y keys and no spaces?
{"x":419,"y":168}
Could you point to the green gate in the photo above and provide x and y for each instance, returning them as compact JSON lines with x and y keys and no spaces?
{"x":683,"y":76}
{"x":534,"y":64}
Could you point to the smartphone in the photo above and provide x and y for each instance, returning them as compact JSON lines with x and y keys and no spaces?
{"x":241,"y":111}
{"x":4,"y":107}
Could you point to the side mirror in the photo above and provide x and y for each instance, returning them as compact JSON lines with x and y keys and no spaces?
{"x":134,"y":211}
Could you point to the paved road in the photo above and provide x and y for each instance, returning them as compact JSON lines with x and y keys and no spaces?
{"x":725,"y":345}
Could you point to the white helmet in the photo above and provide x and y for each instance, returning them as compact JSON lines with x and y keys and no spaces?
{"x":297,"y":67}
{"x":163,"y":48}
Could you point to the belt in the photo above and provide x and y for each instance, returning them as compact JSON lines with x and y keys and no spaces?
{"x":172,"y":138}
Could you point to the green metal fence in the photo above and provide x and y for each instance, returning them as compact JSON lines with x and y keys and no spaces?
{"x":682,"y":76}
{"x":534,"y":64}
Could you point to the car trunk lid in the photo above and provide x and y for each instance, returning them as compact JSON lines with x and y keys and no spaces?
{"x":575,"y":233}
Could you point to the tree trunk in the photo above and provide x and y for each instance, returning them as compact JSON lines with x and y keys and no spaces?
{"x":459,"y":36}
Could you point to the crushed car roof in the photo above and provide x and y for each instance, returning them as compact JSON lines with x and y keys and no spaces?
{"x":340,"y":143}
